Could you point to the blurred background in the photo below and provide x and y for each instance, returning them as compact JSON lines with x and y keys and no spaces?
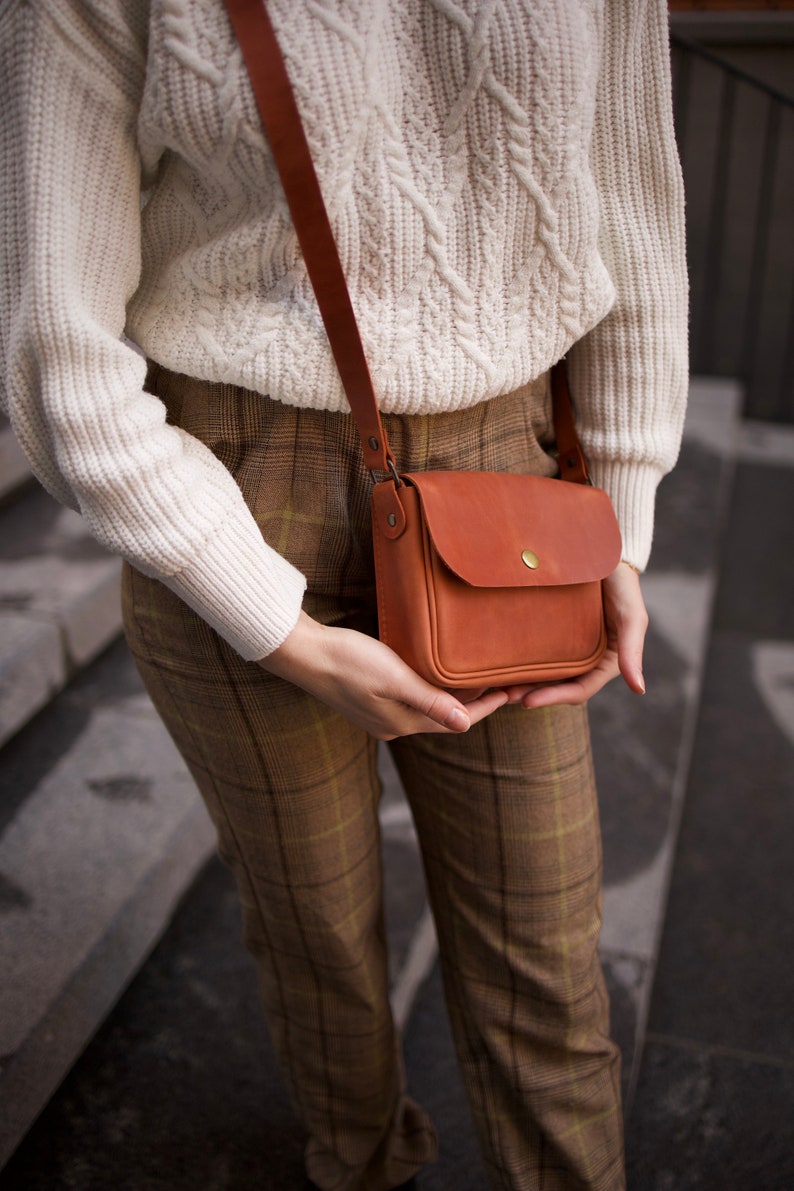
{"x":132,"y":1051}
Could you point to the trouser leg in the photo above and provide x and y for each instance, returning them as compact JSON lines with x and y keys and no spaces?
{"x":292,"y":789}
{"x":508,"y":825}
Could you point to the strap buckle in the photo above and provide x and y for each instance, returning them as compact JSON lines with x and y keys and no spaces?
{"x":392,"y":468}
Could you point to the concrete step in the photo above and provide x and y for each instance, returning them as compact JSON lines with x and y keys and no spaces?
{"x":101,"y":831}
{"x":59,"y":603}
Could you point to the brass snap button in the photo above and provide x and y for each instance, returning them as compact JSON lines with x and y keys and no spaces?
{"x":530,"y":559}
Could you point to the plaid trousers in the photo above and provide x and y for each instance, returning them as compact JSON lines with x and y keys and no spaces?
{"x":506,"y":817}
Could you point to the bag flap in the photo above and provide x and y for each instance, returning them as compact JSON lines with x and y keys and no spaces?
{"x":495,"y":529}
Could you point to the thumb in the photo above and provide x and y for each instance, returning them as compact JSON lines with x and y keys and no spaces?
{"x":445,"y":709}
{"x":630,"y":663}
{"x":628,"y":620}
{"x":630,"y":643}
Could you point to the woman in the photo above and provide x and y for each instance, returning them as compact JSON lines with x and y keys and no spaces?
{"x":504,"y":189}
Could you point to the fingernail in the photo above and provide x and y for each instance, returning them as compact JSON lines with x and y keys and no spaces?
{"x":642,"y":685}
{"x":457,"y":720}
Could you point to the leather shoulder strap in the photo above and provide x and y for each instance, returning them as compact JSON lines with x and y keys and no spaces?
{"x":282,"y":123}
{"x":571,"y":457}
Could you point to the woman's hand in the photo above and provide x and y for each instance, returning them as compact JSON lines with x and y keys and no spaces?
{"x":626,"y":621}
{"x":370,"y":685}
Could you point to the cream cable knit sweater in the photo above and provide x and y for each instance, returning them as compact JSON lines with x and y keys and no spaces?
{"x":504,"y":187}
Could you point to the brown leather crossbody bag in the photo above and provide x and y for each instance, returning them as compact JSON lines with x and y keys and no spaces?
{"x":483,"y":578}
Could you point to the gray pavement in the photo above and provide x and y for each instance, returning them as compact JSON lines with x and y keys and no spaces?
{"x":178,"y":1087}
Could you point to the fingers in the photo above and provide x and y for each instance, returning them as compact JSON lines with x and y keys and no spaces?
{"x":446,"y":712}
{"x":364,"y":681}
{"x":441,"y":708}
{"x":515,"y":694}
{"x":630,"y":661}
{"x":467,"y":694}
{"x":631,"y":641}
{"x":627,"y":622}
{"x":573,"y":690}
{"x":485,"y":704}
{"x":370,"y":685}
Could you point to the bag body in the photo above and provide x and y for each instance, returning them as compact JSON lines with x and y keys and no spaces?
{"x":489,"y":579}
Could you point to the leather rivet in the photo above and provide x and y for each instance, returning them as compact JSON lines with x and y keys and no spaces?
{"x":392,"y":520}
{"x":373,"y":442}
{"x":530,"y":559}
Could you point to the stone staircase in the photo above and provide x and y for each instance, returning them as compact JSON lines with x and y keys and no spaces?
{"x":101,"y":830}
{"x":58,"y":593}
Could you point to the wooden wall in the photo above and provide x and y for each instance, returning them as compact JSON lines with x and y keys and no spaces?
{"x":746,"y":6}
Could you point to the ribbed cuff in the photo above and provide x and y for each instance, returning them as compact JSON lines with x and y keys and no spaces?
{"x":632,"y":490}
{"x":246,"y":591}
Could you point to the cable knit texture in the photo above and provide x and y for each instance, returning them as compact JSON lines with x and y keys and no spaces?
{"x":503,"y":184}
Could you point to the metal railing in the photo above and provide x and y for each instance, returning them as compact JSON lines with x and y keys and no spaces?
{"x":736,"y":135}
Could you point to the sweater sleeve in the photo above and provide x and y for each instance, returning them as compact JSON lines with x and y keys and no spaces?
{"x":629,"y":375}
{"x":71,"y":73}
